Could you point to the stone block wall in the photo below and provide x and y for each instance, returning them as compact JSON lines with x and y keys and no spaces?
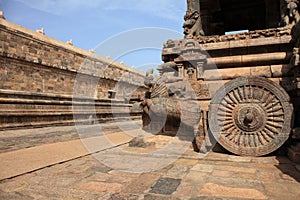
{"x":37,"y":71}
{"x":34,"y":62}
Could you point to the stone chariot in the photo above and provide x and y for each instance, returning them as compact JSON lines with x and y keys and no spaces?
{"x":241,"y":89}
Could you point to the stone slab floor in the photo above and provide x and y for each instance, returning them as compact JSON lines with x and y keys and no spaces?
{"x":216,"y":176}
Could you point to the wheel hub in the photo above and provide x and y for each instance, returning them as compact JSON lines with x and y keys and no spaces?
{"x":249,"y":117}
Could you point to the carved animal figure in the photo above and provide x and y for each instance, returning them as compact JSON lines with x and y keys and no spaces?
{"x":41,"y":31}
{"x":193,"y":24}
{"x":290,"y":13}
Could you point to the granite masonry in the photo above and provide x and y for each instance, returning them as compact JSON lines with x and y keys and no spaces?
{"x":43,"y":81}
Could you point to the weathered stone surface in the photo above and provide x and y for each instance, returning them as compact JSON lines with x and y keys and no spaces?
{"x":43,"y":74}
{"x":165,"y":186}
{"x":264,"y":71}
{"x":239,"y":159}
{"x":100,"y":186}
{"x":86,"y":178}
{"x":242,"y":106}
{"x":225,"y":74}
{"x":203,"y":168}
{"x":63,"y":56}
{"x":18,"y":162}
{"x":177,"y":171}
{"x":286,"y":191}
{"x":216,"y":190}
{"x":142,"y":183}
{"x":280,"y":70}
{"x":118,"y":196}
{"x":294,"y":154}
{"x":139,"y":142}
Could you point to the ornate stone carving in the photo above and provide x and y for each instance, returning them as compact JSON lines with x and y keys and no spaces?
{"x":267,"y":33}
{"x":193,"y":25}
{"x":201,"y":89}
{"x":41,"y":31}
{"x":70,"y":42}
{"x":295,"y":61}
{"x":2,"y":15}
{"x":289,"y":12}
{"x":251,"y":116}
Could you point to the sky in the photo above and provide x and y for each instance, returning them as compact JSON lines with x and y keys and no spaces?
{"x":132,"y":31}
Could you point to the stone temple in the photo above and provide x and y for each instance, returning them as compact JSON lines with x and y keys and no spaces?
{"x":240,"y":89}
{"x":230,"y":87}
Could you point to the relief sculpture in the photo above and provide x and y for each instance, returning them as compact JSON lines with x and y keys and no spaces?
{"x":193,"y":25}
{"x":289,"y":12}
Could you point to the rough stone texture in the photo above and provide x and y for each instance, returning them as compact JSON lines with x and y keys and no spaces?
{"x":217,"y":176}
{"x":165,"y":186}
{"x":21,"y":109}
{"x":101,"y":187}
{"x":216,"y":190}
{"x":209,"y":62}
{"x":42,"y":75}
{"x":18,"y":162}
{"x":47,"y":54}
{"x":142,"y":183}
{"x":293,"y":153}
{"x":251,"y":112}
{"x":11,"y":140}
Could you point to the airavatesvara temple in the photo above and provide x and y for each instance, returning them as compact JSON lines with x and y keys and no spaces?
{"x":243,"y":88}
{"x":231,"y":84}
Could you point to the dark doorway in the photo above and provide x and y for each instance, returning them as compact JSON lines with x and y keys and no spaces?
{"x":243,"y":14}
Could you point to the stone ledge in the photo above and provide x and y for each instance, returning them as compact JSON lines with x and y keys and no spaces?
{"x":10,"y":126}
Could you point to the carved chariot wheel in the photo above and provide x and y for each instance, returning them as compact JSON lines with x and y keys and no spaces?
{"x":251,"y":116}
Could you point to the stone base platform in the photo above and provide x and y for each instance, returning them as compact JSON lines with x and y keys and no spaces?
{"x":19,"y":109}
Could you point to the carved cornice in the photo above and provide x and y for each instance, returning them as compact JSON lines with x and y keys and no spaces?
{"x":267,"y":33}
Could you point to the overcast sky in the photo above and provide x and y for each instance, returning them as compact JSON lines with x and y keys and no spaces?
{"x":90,"y":23}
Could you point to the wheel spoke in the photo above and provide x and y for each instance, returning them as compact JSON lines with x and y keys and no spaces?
{"x":251,"y":116}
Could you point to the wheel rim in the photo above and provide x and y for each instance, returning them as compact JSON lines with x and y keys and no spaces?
{"x":251,"y":116}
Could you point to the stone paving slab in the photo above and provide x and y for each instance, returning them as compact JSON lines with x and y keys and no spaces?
{"x":18,"y":162}
{"x":11,"y":140}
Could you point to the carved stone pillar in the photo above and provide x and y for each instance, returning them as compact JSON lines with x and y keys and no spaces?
{"x":180,"y":70}
{"x":200,"y":69}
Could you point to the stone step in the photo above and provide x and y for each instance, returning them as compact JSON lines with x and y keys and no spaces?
{"x":54,"y":112}
{"x":47,"y":122}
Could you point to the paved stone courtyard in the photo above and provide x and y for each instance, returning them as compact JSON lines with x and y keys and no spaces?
{"x":83,"y":176}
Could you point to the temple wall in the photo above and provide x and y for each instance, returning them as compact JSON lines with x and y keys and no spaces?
{"x":36,"y":67}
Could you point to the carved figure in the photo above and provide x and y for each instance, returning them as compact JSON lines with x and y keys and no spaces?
{"x":295,"y":61}
{"x":193,"y":25}
{"x":70,"y":42}
{"x":145,"y":105}
{"x":149,"y":80}
{"x":289,"y":12}
{"x":41,"y":31}
{"x":2,"y":15}
{"x":296,"y":35}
